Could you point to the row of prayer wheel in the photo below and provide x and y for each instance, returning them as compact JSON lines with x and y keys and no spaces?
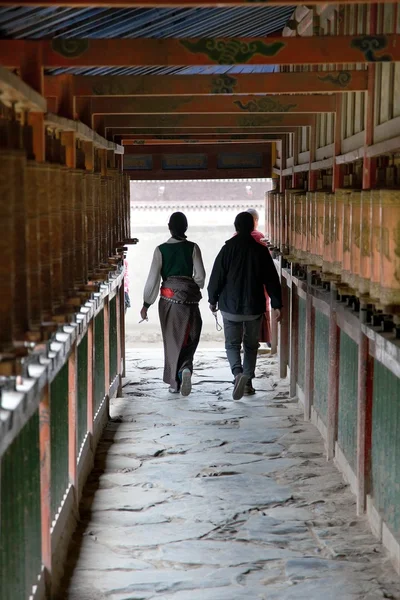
{"x":60,"y":229}
{"x":351,"y":236}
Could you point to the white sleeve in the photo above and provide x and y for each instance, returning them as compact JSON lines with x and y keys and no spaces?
{"x":199,"y":273}
{"x":153,"y":280}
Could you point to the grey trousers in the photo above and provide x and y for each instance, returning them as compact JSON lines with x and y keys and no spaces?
{"x":247,"y":332}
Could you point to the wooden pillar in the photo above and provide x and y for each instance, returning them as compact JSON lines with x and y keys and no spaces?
{"x":364,"y":421}
{"x":309,"y":352}
{"x":337,"y":181}
{"x":72,"y":415}
{"x":369,"y":164}
{"x":284,"y":333}
{"x":333,"y":377}
{"x":90,"y":379}
{"x":88,"y":149}
{"x":107,"y":346}
{"x":122,"y":314}
{"x":45,"y":481}
{"x":66,"y":100}
{"x":294,"y":338}
{"x":68,"y":139}
{"x":31,"y":71}
{"x":365,"y":362}
{"x":119,"y":317}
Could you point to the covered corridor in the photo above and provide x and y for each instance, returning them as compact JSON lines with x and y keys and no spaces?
{"x":219,"y":500}
{"x":295,"y":493}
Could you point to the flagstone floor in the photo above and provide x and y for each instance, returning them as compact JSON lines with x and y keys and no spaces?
{"x":208,"y":499}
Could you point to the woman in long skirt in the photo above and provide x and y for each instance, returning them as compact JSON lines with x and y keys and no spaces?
{"x":179,"y":266}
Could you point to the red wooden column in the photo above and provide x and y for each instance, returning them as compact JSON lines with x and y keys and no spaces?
{"x":45,"y":482}
{"x":309,"y":352}
{"x":118,"y":306}
{"x":107,"y":347}
{"x":294,"y":338}
{"x":365,"y":362}
{"x":32,"y":72}
{"x":284,"y":333}
{"x":333,"y":377}
{"x":90,"y":379}
{"x":122,"y":315}
{"x":72,"y":415}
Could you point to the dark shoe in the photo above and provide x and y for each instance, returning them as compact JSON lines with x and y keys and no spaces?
{"x":186,"y":386}
{"x":249,"y":390}
{"x":240,"y":384}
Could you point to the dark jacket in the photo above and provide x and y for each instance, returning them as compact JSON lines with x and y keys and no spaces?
{"x":240,"y":271}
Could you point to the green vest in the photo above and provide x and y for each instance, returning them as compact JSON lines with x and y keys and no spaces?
{"x":177,"y":260}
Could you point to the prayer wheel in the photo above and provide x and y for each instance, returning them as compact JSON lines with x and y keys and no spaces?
{"x":328,"y":229}
{"x":312,"y":225}
{"x":390,"y":248}
{"x":366,"y":244}
{"x":355,"y":239}
{"x":90,"y":221}
{"x":8,"y":268}
{"x":32,"y":242}
{"x":375,"y":283}
{"x":44,"y":192}
{"x":319,"y":227}
{"x":338,"y":232}
{"x":346,"y":265}
{"x":298,"y":225}
{"x":57,"y":186}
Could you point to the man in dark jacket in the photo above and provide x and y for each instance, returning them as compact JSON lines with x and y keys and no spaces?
{"x":236,"y":288}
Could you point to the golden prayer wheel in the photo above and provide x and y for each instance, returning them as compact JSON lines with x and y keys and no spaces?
{"x":298,"y":226}
{"x":338,"y":232}
{"x":375,"y":282}
{"x":390,"y":248}
{"x":355,"y":239}
{"x":319,"y":227}
{"x":346,"y":266}
{"x":267,"y":213}
{"x":365,"y":244}
{"x":90,"y":220}
{"x":328,"y":229}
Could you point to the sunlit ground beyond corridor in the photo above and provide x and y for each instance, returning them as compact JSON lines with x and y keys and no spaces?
{"x":208,"y":499}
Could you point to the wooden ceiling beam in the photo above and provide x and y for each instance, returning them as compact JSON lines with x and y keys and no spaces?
{"x":213,"y":51}
{"x":194,"y":105}
{"x":203,"y":85}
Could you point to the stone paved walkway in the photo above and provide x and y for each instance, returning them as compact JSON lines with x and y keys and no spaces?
{"x":207,"y":499}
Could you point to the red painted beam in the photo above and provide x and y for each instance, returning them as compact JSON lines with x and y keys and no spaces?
{"x":199,"y":85}
{"x":214,"y":51}
{"x":192,"y":105}
{"x":205,"y":121}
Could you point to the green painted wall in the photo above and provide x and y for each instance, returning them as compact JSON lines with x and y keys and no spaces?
{"x":348,"y":385}
{"x":385,"y":472}
{"x":113,"y":338}
{"x":301,"y":342}
{"x":99,"y":388}
{"x":59,"y":437}
{"x":321,"y":365}
{"x":82,"y":391}
{"x":20,"y":517}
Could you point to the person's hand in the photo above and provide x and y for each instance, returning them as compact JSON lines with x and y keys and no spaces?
{"x":143,"y":313}
{"x":213,"y":308}
{"x":278,"y":315}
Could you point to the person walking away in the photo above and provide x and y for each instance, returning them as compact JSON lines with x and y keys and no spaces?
{"x":179,"y":265}
{"x":265,"y":336}
{"x":241,"y":270}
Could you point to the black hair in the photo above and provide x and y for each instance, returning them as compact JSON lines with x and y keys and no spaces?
{"x":244,"y":223}
{"x":178,"y":225}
